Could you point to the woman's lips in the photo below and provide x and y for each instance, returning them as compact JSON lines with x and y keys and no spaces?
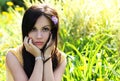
{"x":38,"y":43}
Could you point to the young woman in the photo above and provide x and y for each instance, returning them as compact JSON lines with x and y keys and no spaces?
{"x":38,"y":59}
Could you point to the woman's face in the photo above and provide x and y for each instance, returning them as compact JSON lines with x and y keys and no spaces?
{"x":40,"y":32}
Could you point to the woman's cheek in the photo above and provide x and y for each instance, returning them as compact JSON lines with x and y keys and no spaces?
{"x":30,"y":35}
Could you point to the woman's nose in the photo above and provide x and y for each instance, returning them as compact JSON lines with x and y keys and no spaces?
{"x":39,"y":34}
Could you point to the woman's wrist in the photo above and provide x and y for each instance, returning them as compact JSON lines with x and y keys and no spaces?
{"x":46,"y":59}
{"x":42,"y":59}
{"x":46,"y":56}
{"x":38,"y":54}
{"x":39,"y":58}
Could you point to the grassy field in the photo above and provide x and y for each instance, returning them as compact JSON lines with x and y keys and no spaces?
{"x":89,"y":35}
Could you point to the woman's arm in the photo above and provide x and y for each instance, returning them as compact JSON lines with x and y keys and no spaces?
{"x":18,"y":71}
{"x":48,"y":71}
{"x":37,"y":74}
{"x":58,"y":73}
{"x":15,"y":68}
{"x":49,"y":75}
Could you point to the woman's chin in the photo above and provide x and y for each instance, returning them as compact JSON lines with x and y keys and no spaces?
{"x":40,"y":47}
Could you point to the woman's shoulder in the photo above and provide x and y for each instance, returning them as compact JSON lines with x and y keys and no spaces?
{"x":62,"y":56}
{"x":62,"y":53}
{"x":17,"y":52}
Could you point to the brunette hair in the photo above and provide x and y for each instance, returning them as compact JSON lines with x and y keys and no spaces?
{"x":29,"y":19}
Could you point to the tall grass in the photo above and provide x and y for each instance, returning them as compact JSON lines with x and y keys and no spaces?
{"x":88,"y":32}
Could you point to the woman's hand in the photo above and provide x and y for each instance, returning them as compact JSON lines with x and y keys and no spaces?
{"x":49,"y":47}
{"x":35,"y":51}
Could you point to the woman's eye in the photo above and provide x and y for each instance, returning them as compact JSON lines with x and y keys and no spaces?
{"x":45,"y":29}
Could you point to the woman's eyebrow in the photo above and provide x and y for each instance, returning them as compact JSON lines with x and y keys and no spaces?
{"x":43,"y":26}
{"x":47,"y":25}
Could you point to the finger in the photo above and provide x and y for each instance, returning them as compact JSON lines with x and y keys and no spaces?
{"x":26,"y":42}
{"x":30,"y":43}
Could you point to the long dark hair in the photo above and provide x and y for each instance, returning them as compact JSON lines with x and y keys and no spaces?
{"x":29,"y":19}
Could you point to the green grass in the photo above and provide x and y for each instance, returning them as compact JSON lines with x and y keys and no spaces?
{"x":89,"y":35}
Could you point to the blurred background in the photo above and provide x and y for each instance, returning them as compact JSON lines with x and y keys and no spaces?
{"x":89,"y":35}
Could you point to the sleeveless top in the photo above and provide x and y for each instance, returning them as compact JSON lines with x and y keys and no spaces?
{"x":18,"y":53}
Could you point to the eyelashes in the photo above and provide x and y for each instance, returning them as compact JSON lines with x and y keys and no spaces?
{"x":43,"y":29}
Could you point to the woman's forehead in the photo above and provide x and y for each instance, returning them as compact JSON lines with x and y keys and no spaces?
{"x":42,"y":21}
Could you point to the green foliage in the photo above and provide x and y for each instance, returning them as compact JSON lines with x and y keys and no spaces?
{"x":89,"y":36}
{"x":91,"y":59}
{"x":4,"y":6}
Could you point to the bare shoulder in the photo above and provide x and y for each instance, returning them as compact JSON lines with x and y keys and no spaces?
{"x":62,"y":65}
{"x":63,"y":58}
{"x":11,"y":59}
{"x":14,"y":55}
{"x":62,"y":53}
{"x":15,"y":67}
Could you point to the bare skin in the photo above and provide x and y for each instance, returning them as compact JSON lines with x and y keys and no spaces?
{"x":35,"y":41}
